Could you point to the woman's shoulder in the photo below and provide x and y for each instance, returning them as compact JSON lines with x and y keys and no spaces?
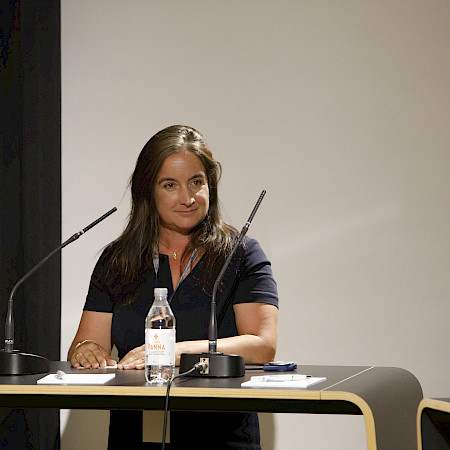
{"x":104,"y":262}
{"x":253,"y":253}
{"x":103,"y":257}
{"x":251,"y":245}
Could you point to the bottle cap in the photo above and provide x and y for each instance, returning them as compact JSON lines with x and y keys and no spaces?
{"x":160,"y":292}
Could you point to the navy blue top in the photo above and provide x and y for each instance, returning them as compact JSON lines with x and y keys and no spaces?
{"x":248,"y":279}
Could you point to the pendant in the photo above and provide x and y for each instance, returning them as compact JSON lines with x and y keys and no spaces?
{"x":174,"y":255}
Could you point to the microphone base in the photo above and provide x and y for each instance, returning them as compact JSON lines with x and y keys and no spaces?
{"x":219,"y":365}
{"x":17,"y":363}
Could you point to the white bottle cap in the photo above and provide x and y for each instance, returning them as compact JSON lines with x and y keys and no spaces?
{"x":160,"y":292}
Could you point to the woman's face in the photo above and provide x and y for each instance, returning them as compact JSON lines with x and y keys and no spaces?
{"x":182,"y":192}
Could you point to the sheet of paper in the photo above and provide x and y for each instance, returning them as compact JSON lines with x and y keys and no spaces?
{"x":297,"y":384}
{"x":77,"y":378}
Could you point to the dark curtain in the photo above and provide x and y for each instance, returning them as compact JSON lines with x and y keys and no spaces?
{"x":30,"y":197}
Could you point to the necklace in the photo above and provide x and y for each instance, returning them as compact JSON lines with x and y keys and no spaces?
{"x":174,"y":253}
{"x":186,"y":271}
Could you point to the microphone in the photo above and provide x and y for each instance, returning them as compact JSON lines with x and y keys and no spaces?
{"x":215,"y":363}
{"x":13,"y":362}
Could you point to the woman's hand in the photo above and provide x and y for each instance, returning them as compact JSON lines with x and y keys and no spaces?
{"x":91,"y":355}
{"x":91,"y":347}
{"x":134,"y":359}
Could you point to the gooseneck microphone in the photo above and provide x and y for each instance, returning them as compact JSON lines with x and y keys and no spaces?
{"x":13,"y":362}
{"x":216,"y":363}
{"x":212,"y":335}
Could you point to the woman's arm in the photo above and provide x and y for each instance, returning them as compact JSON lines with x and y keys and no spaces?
{"x":257,"y":340}
{"x":95,"y":329}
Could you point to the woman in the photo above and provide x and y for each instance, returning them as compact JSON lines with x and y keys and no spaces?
{"x":176,"y":238}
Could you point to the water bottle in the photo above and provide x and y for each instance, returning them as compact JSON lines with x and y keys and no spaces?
{"x":160,"y":340}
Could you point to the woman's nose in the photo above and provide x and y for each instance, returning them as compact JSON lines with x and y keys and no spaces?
{"x":186,"y":197}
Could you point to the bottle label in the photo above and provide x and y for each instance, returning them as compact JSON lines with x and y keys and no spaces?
{"x":160,"y":346}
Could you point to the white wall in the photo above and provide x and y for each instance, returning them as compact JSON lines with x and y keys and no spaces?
{"x":341,"y":110}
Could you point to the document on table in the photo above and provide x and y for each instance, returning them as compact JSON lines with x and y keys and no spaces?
{"x":77,"y":378}
{"x":260,"y":382}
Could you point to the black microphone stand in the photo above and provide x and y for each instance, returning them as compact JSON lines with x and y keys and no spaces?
{"x":14,"y":362}
{"x":217,"y":364}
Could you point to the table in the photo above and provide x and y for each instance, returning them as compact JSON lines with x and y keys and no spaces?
{"x":433,"y":424}
{"x":388,"y":397}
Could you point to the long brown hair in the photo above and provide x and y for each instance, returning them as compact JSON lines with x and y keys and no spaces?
{"x":127,"y":258}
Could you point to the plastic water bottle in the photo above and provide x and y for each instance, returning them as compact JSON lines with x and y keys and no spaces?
{"x":160,"y":340}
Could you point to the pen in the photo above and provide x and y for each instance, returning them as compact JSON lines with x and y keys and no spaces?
{"x":294,"y":377}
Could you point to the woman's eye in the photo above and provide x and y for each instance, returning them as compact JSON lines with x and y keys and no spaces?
{"x":169,"y":186}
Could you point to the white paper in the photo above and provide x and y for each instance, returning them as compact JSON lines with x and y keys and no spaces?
{"x":297,"y":384}
{"x":77,"y":378}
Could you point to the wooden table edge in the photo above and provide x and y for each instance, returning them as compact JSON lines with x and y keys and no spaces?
{"x":431,"y":403}
{"x":154,"y":391}
{"x":363,"y":406}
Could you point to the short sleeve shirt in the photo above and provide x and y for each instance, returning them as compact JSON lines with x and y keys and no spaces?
{"x":248,"y":279}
